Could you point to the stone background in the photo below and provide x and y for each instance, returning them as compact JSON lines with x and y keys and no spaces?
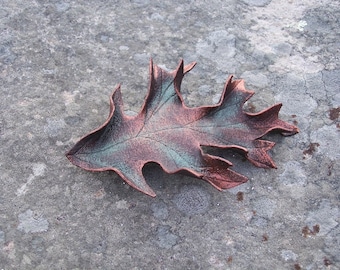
{"x":60,"y":61}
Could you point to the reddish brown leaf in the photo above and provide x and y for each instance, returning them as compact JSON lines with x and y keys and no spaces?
{"x":169,"y":133}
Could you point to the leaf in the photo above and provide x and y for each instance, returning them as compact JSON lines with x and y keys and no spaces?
{"x":171,"y":134}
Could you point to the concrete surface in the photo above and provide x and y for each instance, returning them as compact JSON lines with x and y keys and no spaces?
{"x":60,"y":61}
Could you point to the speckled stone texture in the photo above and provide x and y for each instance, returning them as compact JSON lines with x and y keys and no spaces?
{"x":60,"y":61}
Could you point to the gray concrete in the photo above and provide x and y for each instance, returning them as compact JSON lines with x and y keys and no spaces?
{"x":59,"y":62}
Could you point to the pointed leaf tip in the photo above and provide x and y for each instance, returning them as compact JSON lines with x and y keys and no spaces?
{"x":189,"y":67}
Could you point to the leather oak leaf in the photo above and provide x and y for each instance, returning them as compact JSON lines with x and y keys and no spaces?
{"x":171,"y":134}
